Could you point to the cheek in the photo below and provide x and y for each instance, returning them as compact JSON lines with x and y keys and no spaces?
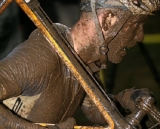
{"x":130,"y":32}
{"x":113,"y":20}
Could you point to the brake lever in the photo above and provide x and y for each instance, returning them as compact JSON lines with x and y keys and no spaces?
{"x":140,"y":103}
{"x":147,"y":104}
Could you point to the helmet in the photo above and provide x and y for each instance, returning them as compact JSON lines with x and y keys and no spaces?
{"x":135,"y":6}
{"x":142,"y":6}
{"x":86,"y":4}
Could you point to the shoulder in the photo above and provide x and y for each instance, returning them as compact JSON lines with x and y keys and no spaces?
{"x":36,"y":34}
{"x":62,"y":27}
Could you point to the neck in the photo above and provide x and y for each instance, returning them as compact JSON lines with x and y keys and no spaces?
{"x":85,"y":40}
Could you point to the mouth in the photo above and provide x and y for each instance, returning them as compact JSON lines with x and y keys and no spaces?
{"x":132,"y":44}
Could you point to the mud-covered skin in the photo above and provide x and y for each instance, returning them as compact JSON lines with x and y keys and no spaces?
{"x":34,"y":68}
{"x":91,"y":112}
{"x":127,"y":37}
{"x":124,"y":31}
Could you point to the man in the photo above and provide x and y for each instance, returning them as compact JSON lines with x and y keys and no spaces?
{"x":37,"y":86}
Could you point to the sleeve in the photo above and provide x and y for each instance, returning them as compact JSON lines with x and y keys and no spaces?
{"x":27,"y":68}
{"x":91,"y":112}
{"x":24,"y":71}
{"x":10,"y":121}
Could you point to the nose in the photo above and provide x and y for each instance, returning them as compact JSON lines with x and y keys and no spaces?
{"x":140,"y":34}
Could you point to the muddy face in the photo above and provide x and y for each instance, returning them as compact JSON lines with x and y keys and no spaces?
{"x":120,"y":30}
{"x":130,"y":33}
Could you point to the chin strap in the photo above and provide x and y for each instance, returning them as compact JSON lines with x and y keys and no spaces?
{"x":103,"y":49}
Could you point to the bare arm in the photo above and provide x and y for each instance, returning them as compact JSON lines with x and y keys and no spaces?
{"x":91,"y":112}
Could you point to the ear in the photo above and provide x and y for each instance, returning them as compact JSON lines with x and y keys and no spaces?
{"x":107,"y":19}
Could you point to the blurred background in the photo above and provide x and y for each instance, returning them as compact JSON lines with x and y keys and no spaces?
{"x":140,"y":68}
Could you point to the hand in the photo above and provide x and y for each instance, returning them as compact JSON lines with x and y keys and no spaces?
{"x":68,"y":124}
